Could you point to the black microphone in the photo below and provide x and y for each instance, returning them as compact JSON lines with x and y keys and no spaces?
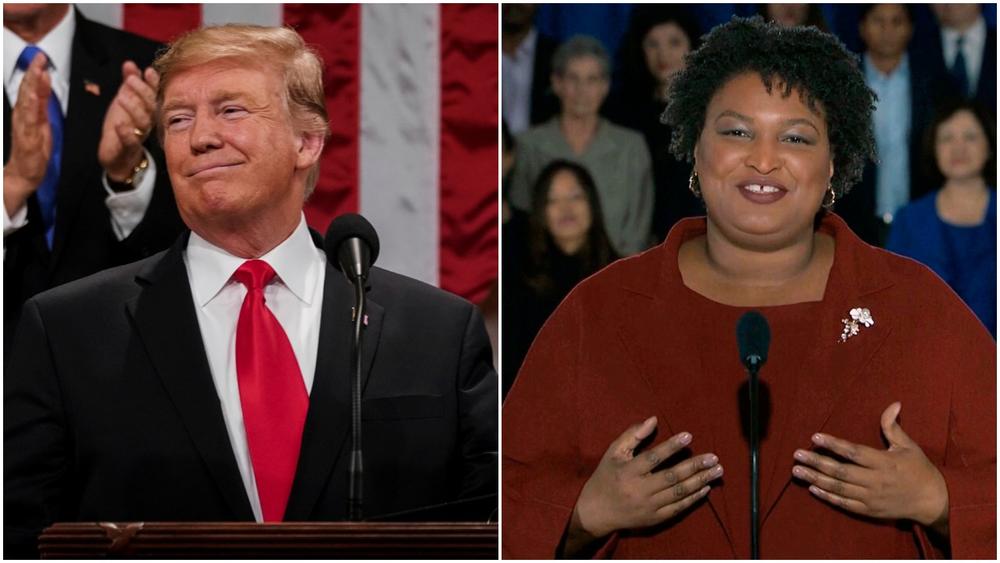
{"x":753,"y":335}
{"x":352,"y":239}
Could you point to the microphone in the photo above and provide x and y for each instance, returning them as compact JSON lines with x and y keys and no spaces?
{"x":753,"y":336}
{"x":352,"y":239}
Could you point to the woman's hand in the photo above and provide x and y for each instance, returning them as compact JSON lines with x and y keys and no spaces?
{"x":896,"y":483}
{"x":626,"y":491}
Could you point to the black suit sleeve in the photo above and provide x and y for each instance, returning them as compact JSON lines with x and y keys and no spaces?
{"x":36,"y":442}
{"x":477,"y":403}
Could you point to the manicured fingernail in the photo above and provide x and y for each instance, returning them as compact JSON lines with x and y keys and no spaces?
{"x":798,"y":471}
{"x":717,"y":471}
{"x":800,"y":455}
{"x":704,"y":490}
{"x":814,"y":489}
{"x":684,"y":438}
{"x":710,"y":461}
{"x":818,"y":438}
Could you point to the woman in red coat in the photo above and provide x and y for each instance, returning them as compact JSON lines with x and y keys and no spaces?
{"x":623,"y":433}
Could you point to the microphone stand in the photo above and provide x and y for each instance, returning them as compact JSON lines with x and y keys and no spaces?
{"x":356,"y":471}
{"x":753,"y":368}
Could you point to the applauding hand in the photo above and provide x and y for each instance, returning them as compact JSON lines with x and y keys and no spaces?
{"x":31,"y":137}
{"x":128,"y":122}
{"x":896,"y":483}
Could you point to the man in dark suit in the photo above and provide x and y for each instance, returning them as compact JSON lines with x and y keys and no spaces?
{"x":81,"y":192}
{"x":528,"y":98}
{"x":967,"y":47}
{"x":212,"y":381}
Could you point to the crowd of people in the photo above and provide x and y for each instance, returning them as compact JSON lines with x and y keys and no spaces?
{"x":928,"y":193}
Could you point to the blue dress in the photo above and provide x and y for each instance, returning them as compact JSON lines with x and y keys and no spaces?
{"x":964,"y":256}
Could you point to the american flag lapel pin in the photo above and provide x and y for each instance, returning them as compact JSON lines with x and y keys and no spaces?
{"x":363,"y":321}
{"x":92,"y":87}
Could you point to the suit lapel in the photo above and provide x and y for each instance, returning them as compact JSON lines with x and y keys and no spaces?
{"x":661,"y":328}
{"x":82,"y":128}
{"x":835,"y":365}
{"x":328,"y":420}
{"x":165,"y":319}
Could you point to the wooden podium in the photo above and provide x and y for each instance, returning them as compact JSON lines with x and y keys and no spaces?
{"x":217,"y":540}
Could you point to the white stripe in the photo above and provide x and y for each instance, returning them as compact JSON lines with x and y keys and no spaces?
{"x":399,"y":137}
{"x":260,"y":14}
{"x":108,"y":14}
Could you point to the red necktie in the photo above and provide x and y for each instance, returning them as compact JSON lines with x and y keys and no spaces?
{"x":272,"y":393}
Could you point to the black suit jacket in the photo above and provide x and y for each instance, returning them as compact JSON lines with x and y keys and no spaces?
{"x":110,"y":413}
{"x":84,"y":242}
{"x":544,"y":103}
{"x":986,"y":89}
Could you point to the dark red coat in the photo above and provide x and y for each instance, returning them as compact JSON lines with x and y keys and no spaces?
{"x":633,"y":341}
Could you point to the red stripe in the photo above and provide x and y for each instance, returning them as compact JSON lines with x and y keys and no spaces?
{"x":161,"y":22}
{"x":468,"y":175}
{"x":335,"y":32}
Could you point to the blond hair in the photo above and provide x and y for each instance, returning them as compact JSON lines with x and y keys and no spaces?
{"x":281,"y":48}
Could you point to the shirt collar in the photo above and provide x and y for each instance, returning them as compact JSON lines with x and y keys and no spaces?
{"x":57,"y":45}
{"x":902,"y":70}
{"x":975,"y":35}
{"x":527,"y":47}
{"x":211,"y":267}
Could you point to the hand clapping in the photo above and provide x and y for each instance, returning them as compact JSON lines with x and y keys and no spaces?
{"x":128,"y":122}
{"x":896,"y":483}
{"x":31,"y":136}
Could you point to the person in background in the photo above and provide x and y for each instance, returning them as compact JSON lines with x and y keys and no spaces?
{"x":565,"y":242}
{"x":653,"y":50}
{"x":85,"y":187}
{"x":616,"y":157}
{"x":906,"y":90}
{"x":968,"y":49}
{"x":953,"y":230}
{"x":787,"y":15}
{"x":526,"y":66}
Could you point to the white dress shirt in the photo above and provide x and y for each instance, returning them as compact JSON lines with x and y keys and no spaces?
{"x":518,"y":71}
{"x":295,"y":297}
{"x":127,"y":208}
{"x":972,"y":49}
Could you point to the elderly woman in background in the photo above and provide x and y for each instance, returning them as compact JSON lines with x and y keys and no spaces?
{"x":617,"y":157}
{"x":953,"y":230}
{"x":622,"y":435}
{"x":659,"y":36}
{"x":565,"y":243}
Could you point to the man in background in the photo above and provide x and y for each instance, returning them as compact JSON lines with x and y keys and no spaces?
{"x":85,"y":187}
{"x":527,"y":64}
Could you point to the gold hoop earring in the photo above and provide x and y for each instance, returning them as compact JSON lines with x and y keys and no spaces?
{"x":693,"y":184}
{"x":833,"y":197}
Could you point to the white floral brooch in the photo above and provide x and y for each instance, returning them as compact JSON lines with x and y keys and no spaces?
{"x":852,"y":326}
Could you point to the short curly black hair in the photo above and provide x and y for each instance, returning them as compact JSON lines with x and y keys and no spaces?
{"x":803,"y":58}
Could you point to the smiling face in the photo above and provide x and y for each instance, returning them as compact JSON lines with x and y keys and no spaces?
{"x":764,"y":163}
{"x":233,"y":156}
{"x":567,"y":211}
{"x":664,"y":48}
{"x":961,"y":147}
{"x":582,"y":87}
